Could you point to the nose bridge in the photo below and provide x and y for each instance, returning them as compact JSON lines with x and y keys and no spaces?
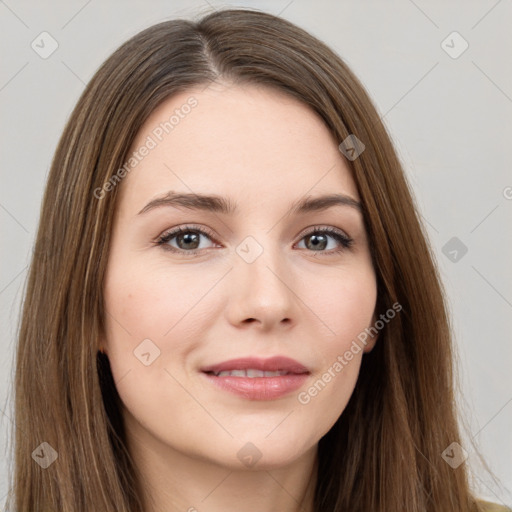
{"x":257,"y":256}
{"x":262,"y":282}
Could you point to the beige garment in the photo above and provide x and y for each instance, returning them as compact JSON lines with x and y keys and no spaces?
{"x":493,"y":507}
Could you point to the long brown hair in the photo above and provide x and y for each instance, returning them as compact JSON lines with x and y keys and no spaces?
{"x":384,"y":452}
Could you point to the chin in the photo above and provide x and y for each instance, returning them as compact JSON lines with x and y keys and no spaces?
{"x":260,"y":454}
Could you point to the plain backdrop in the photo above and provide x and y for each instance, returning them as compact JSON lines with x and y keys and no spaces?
{"x":446,"y":99}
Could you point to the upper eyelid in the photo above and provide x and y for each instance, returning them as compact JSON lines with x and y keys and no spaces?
{"x":172,"y":232}
{"x":187,"y":227}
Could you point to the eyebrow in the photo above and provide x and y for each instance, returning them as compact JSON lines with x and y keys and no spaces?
{"x":220,"y":204}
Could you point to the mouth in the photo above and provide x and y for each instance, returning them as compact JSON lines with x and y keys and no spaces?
{"x":251,"y":373}
{"x":257,"y":379}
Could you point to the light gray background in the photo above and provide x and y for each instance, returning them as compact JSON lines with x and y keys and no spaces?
{"x":449,"y":117}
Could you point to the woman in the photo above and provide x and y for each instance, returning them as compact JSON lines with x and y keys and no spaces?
{"x":297,"y":356}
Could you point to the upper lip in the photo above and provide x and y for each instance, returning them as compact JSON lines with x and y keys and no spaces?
{"x":271,"y":364}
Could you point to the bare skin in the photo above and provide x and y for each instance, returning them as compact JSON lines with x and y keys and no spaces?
{"x":300,"y":299}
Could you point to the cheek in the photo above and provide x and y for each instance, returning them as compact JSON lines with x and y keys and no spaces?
{"x":151,"y":303}
{"x":147,"y":335}
{"x":344,"y":302}
{"x":156,"y":317}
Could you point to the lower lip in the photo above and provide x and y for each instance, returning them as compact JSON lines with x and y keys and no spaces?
{"x":259,"y":388}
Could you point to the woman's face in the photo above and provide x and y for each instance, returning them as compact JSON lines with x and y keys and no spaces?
{"x":260,"y":281}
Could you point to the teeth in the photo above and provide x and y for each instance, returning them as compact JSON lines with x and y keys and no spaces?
{"x":234,"y":373}
{"x":250,"y":373}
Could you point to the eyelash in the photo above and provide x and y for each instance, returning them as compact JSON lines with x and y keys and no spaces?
{"x":345,"y":241}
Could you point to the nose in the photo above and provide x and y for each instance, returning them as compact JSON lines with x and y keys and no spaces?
{"x":263,"y":292}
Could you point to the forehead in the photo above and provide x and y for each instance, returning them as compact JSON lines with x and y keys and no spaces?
{"x":237,"y":141}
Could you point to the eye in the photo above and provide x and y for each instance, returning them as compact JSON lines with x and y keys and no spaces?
{"x":317,"y":240}
{"x":188,"y":240}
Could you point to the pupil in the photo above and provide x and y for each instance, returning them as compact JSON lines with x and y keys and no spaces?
{"x":190,"y":238}
{"x":317,"y":242}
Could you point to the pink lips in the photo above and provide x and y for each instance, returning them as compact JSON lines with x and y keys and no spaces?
{"x":258,"y":388}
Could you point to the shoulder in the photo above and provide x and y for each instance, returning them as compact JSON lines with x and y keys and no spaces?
{"x":487,"y":506}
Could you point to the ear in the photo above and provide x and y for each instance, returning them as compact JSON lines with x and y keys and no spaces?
{"x":372,"y":337}
{"x":102,"y":345}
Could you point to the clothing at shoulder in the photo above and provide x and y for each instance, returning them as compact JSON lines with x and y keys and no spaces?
{"x":493,"y":507}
